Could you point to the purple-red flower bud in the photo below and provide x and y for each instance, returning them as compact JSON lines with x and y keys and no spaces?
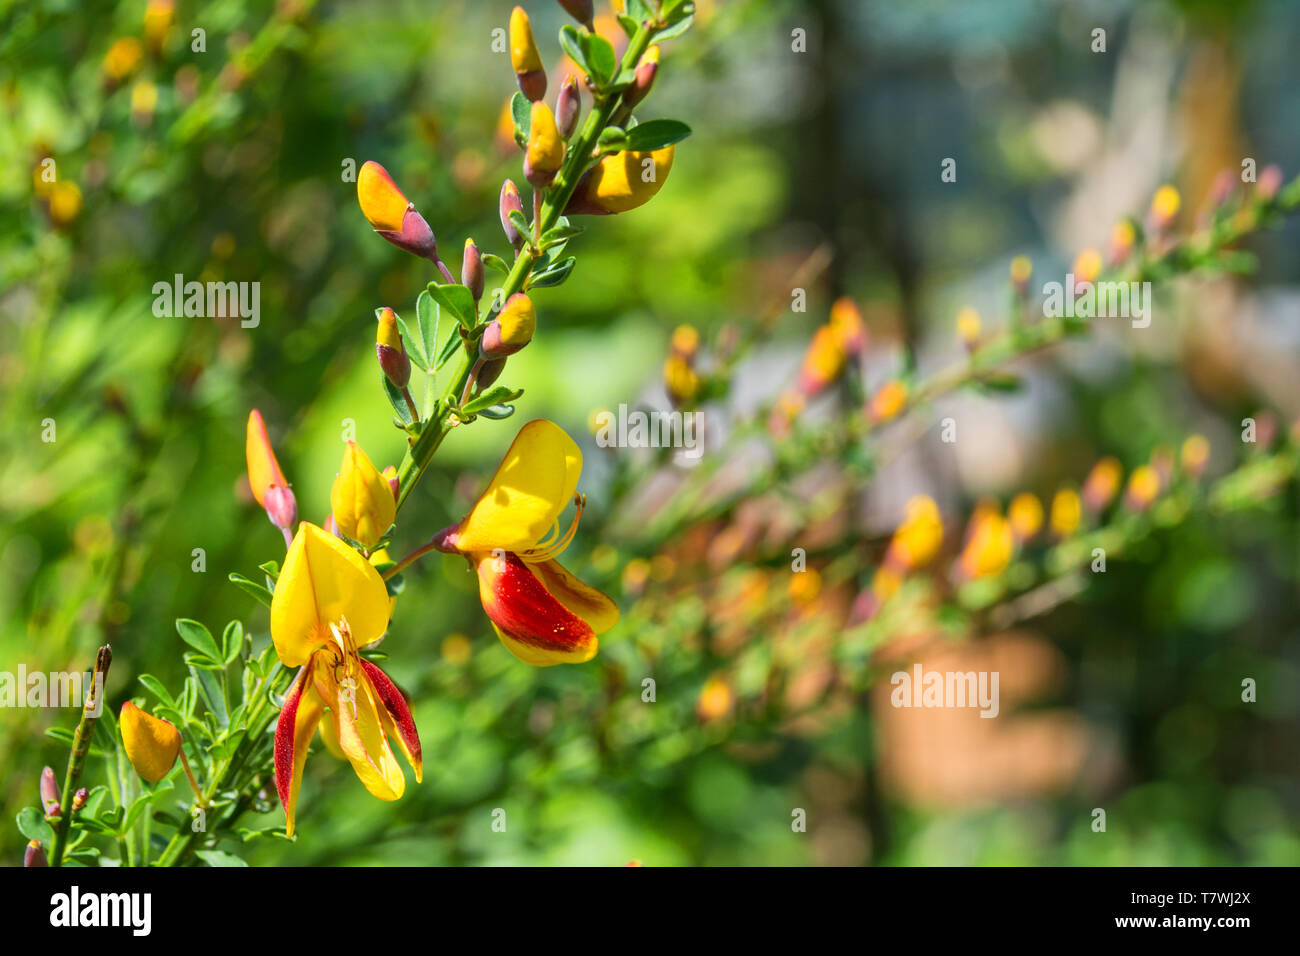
{"x":49,"y":793}
{"x":471,"y":270}
{"x":281,"y":506}
{"x":510,"y":202}
{"x":568,"y":106}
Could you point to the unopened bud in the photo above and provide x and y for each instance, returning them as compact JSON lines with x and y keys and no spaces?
{"x":511,"y":330}
{"x":524,"y":58}
{"x":390,"y":476}
{"x":509,"y":202}
{"x":490,"y":372}
{"x":1270,"y":181}
{"x":49,"y":793}
{"x":581,"y":10}
{"x":545,"y":153}
{"x":1021,"y":270}
{"x":34,"y":855}
{"x":281,"y":506}
{"x":79,"y":798}
{"x":568,"y":106}
{"x":644,"y":78}
{"x":390,"y":349}
{"x":471,"y":270}
{"x":391,"y":214}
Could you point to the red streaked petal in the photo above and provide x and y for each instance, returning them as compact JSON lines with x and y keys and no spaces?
{"x":534,"y":626}
{"x":593,"y":606}
{"x":397,"y":714}
{"x":299,"y":716}
{"x":362,"y":737}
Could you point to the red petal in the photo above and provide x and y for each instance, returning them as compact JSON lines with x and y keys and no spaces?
{"x":521,"y":607}
{"x":391,"y":697}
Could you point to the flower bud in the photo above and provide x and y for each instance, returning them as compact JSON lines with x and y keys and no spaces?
{"x":152,"y":744}
{"x":1102,"y":484}
{"x":1122,"y":239}
{"x":49,"y":793}
{"x":888,"y":401}
{"x":391,"y":214}
{"x":508,"y":203}
{"x":568,"y":106}
{"x":390,"y":476}
{"x":159,"y":15}
{"x":1143,"y":487}
{"x":823,"y":362}
{"x":1021,"y":270}
{"x":681,"y":381}
{"x":849,"y":327}
{"x":1270,"y":181}
{"x":990,"y":543}
{"x":581,"y":10}
{"x":1026,"y":515}
{"x":1195,"y":455}
{"x":620,"y":182}
{"x":968,"y":327}
{"x":361,"y":500}
{"x":281,"y":507}
{"x":34,"y":855}
{"x":685,"y":341}
{"x":122,"y":59}
{"x":524,"y":58}
{"x":545,"y":153}
{"x":1067,"y":510}
{"x":471,"y":270}
{"x":79,"y":798}
{"x":643,"y":79}
{"x":391,"y":350}
{"x":511,"y":330}
{"x":1164,"y":207}
{"x":490,"y":372}
{"x":263,"y":469}
{"x":1086,"y":268}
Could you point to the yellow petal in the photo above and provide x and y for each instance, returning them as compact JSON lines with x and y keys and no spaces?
{"x":263,"y":469}
{"x":532,"y":486}
{"x":361,"y":735}
{"x":626,"y":180}
{"x":586,"y":602}
{"x":152,"y":744}
{"x":545,"y":147}
{"x":324,"y":582}
{"x":361,"y":499}
{"x":524,"y":57}
{"x":382,"y":203}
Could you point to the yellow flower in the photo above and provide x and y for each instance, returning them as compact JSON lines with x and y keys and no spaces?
{"x":1067,"y":510}
{"x":1122,"y":239}
{"x":918,"y":537}
{"x":542,"y":613}
{"x":1087,"y":266}
{"x":823,"y":363}
{"x":1102,"y":484}
{"x":329,"y":602}
{"x":1195,"y":454}
{"x":1021,"y":269}
{"x":361,"y":500}
{"x":888,"y":401}
{"x":123,"y":58}
{"x":685,"y":341}
{"x":524,"y":58}
{"x":715,"y":700}
{"x":968,"y":326}
{"x":990,"y":543}
{"x":1165,"y":205}
{"x":847,"y":323}
{"x":545,"y":152}
{"x":65,"y":203}
{"x":681,"y":381}
{"x":1143,"y":487}
{"x":1026,"y":514}
{"x":152,"y":744}
{"x":263,"y":469}
{"x":622,"y":181}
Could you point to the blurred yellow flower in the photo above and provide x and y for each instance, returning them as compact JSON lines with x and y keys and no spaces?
{"x":1067,"y":512}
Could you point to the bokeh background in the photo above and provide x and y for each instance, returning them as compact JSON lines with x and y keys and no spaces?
{"x":227,"y":165}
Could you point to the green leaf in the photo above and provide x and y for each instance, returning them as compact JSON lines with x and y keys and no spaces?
{"x":521,"y":110}
{"x":571,"y":41}
{"x":656,"y":134}
{"x":676,"y":29}
{"x":496,"y":395}
{"x":398,"y":402}
{"x":251,"y":588}
{"x":496,"y":262}
{"x":521,"y":223}
{"x":639,"y":11}
{"x":62,"y":734}
{"x":672,"y":11}
{"x":600,"y":56}
{"x":562,"y":231}
{"x":157,"y":689}
{"x":232,"y":641}
{"x":552,"y":275}
{"x":427,"y":318}
{"x":629,"y":25}
{"x":213,"y":697}
{"x":448,"y":349}
{"x":457,"y":300}
{"x":219,"y":858}
{"x":612,"y":139}
{"x":31,"y":824}
{"x":198,"y":637}
{"x":498,"y":412}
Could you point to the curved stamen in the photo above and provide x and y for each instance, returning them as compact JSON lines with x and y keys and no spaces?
{"x":553,"y":549}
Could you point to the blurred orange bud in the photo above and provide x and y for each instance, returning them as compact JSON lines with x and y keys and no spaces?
{"x":1143,"y":487}
{"x":888,"y":401}
{"x":823,"y":363}
{"x":918,"y":537}
{"x":990,"y":543}
{"x":685,"y":341}
{"x":122,"y":59}
{"x":968,"y":327}
{"x":1026,"y":514}
{"x":263,"y":469}
{"x":1102,"y":484}
{"x":715,"y":700}
{"x":1122,"y":239}
{"x":847,"y":323}
{"x":1021,"y":269}
{"x":1195,"y":455}
{"x":1164,"y":207}
{"x":1067,"y":512}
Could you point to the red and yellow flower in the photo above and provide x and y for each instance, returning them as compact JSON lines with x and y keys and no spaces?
{"x":541,"y":612}
{"x":329,"y":602}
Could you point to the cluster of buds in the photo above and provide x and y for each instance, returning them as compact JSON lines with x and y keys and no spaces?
{"x":841,"y":340}
{"x":681,"y":380}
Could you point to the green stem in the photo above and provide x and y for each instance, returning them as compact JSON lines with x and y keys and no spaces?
{"x":80,"y":747}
